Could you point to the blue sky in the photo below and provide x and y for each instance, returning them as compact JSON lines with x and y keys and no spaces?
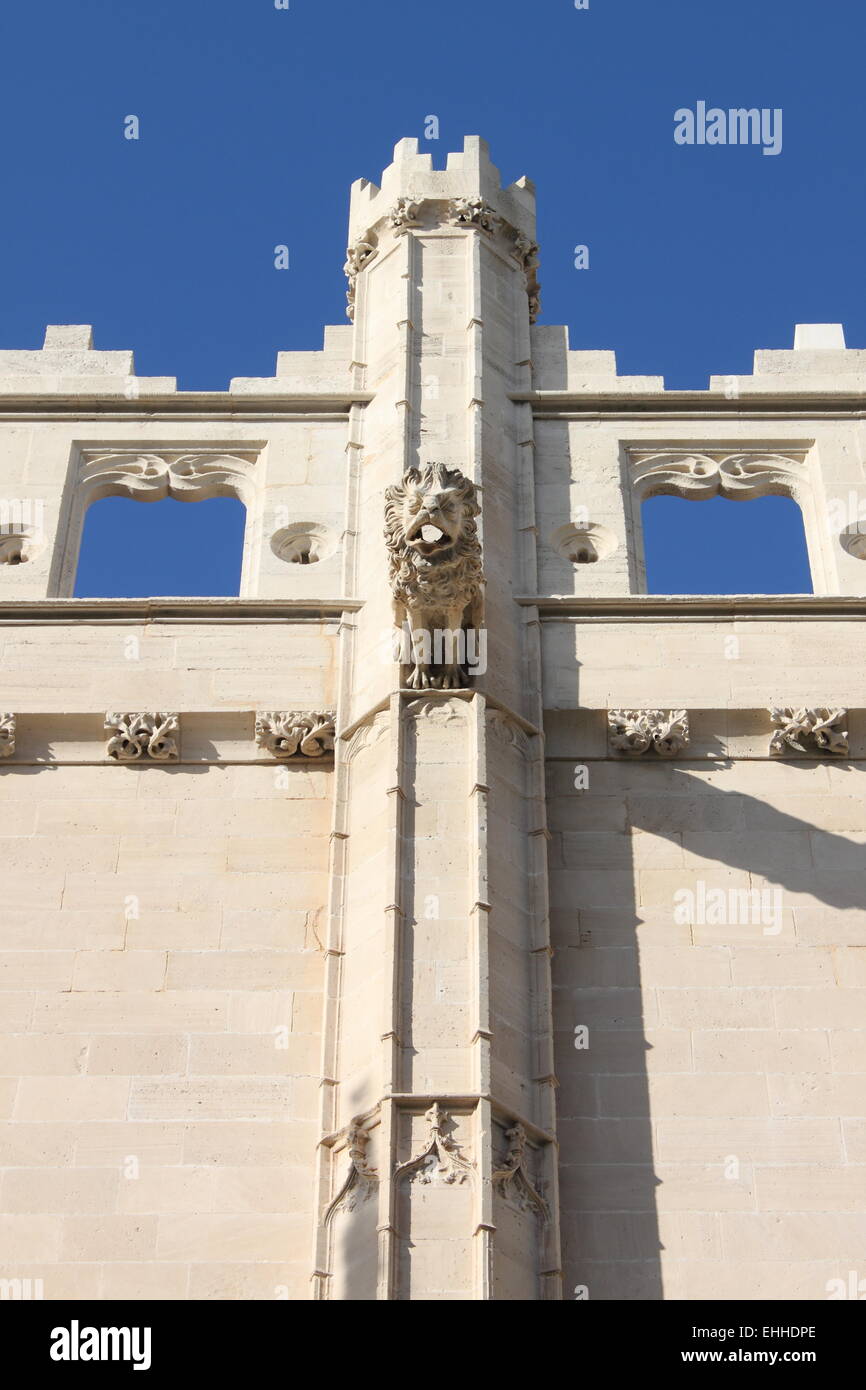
{"x":254,"y":121}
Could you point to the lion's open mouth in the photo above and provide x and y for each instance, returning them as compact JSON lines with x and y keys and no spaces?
{"x":428,"y":539}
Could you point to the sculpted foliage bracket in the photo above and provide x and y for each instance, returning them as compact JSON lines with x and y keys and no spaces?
{"x":635,"y":731}
{"x":821,"y":728}
{"x":142,"y":737}
{"x":285,"y":734}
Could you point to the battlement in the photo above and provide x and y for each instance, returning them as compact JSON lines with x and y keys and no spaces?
{"x":468,"y":174}
{"x":68,"y":364}
{"x":819,"y":361}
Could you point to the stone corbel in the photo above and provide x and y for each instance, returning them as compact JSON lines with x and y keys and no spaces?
{"x":142,"y":737}
{"x":821,"y":728}
{"x":305,"y":732}
{"x":635,"y":731}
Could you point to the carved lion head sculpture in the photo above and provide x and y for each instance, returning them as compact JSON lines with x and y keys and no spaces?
{"x":434,"y":555}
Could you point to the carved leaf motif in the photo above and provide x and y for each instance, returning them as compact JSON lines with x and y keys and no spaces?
{"x":184,"y":475}
{"x":635,"y":731}
{"x":142,"y":736}
{"x":285,"y":734}
{"x":699,"y":475}
{"x":368,"y":735}
{"x":404,"y":214}
{"x":437,"y":711}
{"x":440,"y":1161}
{"x":475,"y":212}
{"x":507,"y":731}
{"x":809,"y":730}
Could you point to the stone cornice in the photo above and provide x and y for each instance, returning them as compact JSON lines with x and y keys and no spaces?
{"x":193,"y":405}
{"x":178,"y":610}
{"x":698,"y":607}
{"x":704,"y":405}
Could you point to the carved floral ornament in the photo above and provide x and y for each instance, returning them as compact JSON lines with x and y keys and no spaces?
{"x":440,"y":1161}
{"x":470,"y":212}
{"x":142,"y":737}
{"x":636,"y":731}
{"x":690,"y":473}
{"x":294,"y":731}
{"x":809,"y":731}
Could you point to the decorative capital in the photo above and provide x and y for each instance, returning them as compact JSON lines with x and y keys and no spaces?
{"x":820,"y":728}
{"x":635,"y":731}
{"x":293,"y":731}
{"x":142,"y":737}
{"x":7,"y":735}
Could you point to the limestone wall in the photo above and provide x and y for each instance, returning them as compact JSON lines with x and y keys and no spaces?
{"x":161,"y":964}
{"x":708,"y":925}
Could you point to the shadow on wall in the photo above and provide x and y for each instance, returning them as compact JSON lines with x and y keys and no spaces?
{"x":641,"y":1187}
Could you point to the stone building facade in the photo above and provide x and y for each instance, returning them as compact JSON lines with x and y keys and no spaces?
{"x":344,"y":968}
